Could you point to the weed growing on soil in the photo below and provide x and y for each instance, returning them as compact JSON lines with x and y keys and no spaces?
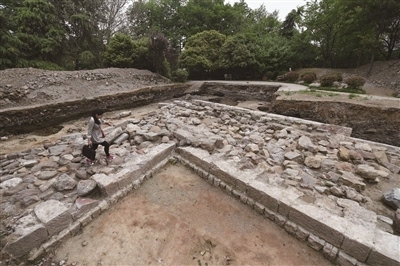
{"x":354,"y":91}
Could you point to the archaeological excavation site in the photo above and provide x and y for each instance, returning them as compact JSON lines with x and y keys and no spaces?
{"x":205,"y":173}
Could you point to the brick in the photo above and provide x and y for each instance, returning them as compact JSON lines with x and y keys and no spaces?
{"x":302,"y":234}
{"x":75,"y":227}
{"x":315,"y":242}
{"x":330,"y":251}
{"x":280,"y":220}
{"x":290,"y":227}
{"x":345,"y":260}
{"x":250,"y":202}
{"x":259,"y":208}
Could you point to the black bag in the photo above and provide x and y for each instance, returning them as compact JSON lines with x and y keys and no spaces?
{"x":88,"y":152}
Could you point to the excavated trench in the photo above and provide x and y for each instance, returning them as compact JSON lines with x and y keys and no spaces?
{"x":374,"y":123}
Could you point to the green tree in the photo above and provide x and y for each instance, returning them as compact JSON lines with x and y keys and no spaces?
{"x":323,"y":23}
{"x":239,"y":56}
{"x":9,"y":43}
{"x":38,"y":30}
{"x":120,"y":51}
{"x":201,"y":53}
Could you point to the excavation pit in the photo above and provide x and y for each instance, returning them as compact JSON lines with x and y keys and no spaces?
{"x":177,"y":218}
{"x":312,"y":179}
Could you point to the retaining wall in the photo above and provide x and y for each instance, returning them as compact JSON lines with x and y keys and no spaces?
{"x":240,"y":91}
{"x":28,"y":119}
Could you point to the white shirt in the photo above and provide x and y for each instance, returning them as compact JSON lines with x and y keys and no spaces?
{"x":94,"y":131}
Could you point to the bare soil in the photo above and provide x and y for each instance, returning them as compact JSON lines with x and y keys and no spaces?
{"x":177,"y":218}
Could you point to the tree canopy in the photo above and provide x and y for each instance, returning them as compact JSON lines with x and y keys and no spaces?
{"x":206,"y":37}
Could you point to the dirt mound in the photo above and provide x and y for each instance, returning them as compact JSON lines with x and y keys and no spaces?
{"x":384,"y":79}
{"x":29,"y":86}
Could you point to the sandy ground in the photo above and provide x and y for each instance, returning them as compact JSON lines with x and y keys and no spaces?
{"x":177,"y":218}
{"x":17,"y":143}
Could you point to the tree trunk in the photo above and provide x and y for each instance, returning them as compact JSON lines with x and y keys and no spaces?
{"x":371,"y":63}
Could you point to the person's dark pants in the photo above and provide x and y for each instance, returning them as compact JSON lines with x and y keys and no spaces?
{"x":106,"y":147}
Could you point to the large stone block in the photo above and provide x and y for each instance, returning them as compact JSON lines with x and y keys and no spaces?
{"x":156,"y":155}
{"x":195,"y":156}
{"x":356,"y":249}
{"x":318,"y":222}
{"x":82,"y":206}
{"x":29,"y":234}
{"x":260,"y":192}
{"x":54,"y":215}
{"x":107,"y":184}
{"x":127,"y":175}
{"x":386,"y":249}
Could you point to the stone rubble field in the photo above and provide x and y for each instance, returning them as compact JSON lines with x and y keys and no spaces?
{"x":48,"y":193}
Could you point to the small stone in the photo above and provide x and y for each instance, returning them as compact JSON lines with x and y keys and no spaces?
{"x":392,"y":198}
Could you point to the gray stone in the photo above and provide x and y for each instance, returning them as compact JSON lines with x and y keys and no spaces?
{"x":370,"y":173}
{"x":392,"y":198}
{"x":84,"y":187}
{"x":345,"y":260}
{"x":58,"y":149}
{"x":118,"y":140}
{"x":82,"y":206}
{"x":10,"y":183}
{"x":64,"y":182}
{"x":313,"y":162}
{"x":107,"y":184}
{"x":82,"y":174}
{"x":29,"y":233}
{"x":330,"y":251}
{"x":54,"y":215}
{"x":305,"y":143}
{"x":349,"y":179}
{"x":45,"y":175}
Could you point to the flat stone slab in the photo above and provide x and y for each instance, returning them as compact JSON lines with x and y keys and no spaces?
{"x":54,"y":215}
{"x":29,"y":233}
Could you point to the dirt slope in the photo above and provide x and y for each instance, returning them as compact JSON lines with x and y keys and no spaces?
{"x":29,"y":86}
{"x":383,"y":81}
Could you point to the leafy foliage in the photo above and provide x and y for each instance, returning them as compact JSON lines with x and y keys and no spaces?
{"x":355,"y":82}
{"x":208,"y":38}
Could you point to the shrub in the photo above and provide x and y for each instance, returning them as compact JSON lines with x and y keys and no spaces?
{"x":309,"y":77}
{"x":291,"y":76}
{"x":86,"y":60}
{"x":327,"y":80}
{"x":355,"y":82}
{"x":337,"y":75}
{"x":180,"y":75}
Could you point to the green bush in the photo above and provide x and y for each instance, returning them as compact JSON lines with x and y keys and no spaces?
{"x":292,"y":76}
{"x":180,"y":75}
{"x":355,"y":82}
{"x":46,"y":65}
{"x":327,"y":80}
{"x":338,"y":76}
{"x":86,"y":60}
{"x":308,"y":77}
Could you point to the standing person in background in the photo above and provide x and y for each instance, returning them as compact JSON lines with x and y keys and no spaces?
{"x":96,"y":135}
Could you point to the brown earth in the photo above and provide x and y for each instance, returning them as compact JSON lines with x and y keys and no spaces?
{"x":177,"y":218}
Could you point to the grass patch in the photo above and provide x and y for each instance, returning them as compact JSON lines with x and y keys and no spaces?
{"x":335,"y":89}
{"x":352,"y":95}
